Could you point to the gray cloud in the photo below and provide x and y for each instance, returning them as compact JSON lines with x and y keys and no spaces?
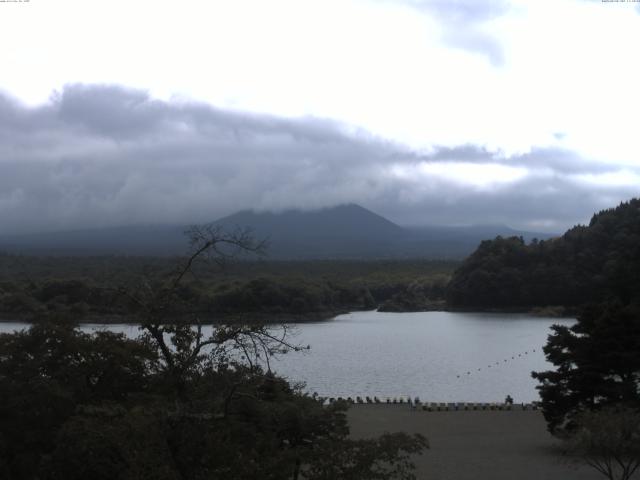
{"x":105,"y":155}
{"x":556,"y":160}
{"x":535,"y":204}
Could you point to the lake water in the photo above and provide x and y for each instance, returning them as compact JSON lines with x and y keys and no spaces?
{"x":438,"y":356}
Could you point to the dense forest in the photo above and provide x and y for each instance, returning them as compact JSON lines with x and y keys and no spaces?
{"x":89,"y":288}
{"x":587,"y":264}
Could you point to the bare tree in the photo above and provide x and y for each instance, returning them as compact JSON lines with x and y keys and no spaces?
{"x":172,"y":325}
{"x":608,"y":440}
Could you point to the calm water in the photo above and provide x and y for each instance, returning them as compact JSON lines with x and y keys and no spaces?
{"x":425,"y":354}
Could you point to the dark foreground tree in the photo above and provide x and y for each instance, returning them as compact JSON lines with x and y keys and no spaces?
{"x":46,"y":373}
{"x":183,"y":401}
{"x":608,"y":441}
{"x":100,"y":406}
{"x":597,"y":364}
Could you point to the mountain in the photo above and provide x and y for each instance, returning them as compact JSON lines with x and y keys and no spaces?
{"x":342,"y":232}
{"x":345,"y":231}
{"x":586,"y":264}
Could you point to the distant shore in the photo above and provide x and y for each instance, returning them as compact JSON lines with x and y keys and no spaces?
{"x":307,"y":317}
{"x":252,"y":317}
{"x":558,"y":311}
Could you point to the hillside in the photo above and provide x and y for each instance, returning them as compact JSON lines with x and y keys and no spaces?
{"x":341,"y":232}
{"x":588,"y":263}
{"x":346,"y":231}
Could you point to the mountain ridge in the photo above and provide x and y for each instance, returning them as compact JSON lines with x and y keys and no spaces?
{"x":347,"y":231}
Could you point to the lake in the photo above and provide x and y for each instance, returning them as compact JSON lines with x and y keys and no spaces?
{"x":438,"y":356}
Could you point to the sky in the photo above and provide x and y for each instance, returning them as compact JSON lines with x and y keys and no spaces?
{"x":522,"y":113}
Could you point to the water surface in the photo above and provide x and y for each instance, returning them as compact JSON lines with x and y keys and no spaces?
{"x":438,"y":356}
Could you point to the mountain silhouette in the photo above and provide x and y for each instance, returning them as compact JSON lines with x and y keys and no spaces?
{"x":341,"y":232}
{"x":345,"y":231}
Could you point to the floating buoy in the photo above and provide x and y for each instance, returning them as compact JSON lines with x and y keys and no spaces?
{"x":498,"y":361}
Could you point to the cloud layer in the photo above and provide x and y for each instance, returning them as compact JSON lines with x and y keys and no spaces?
{"x":464,"y":24}
{"x":99,"y":155}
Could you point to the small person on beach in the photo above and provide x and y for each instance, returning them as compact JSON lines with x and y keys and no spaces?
{"x":508,"y":400}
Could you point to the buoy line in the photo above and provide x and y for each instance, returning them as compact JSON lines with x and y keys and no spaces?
{"x":496,"y":363}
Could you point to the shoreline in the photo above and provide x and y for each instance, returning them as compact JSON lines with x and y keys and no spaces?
{"x":308,"y":317}
{"x":258,"y":318}
{"x":557,"y":311}
{"x":287,"y":318}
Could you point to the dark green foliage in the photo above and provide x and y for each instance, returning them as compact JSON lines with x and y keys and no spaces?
{"x":85,"y":288}
{"x":586,"y":264}
{"x":283,"y":295}
{"x":421,"y":295}
{"x":77,"y":406}
{"x":47,"y":372}
{"x":597,"y":363}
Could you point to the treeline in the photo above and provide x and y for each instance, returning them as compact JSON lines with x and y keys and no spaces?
{"x":587,"y":264}
{"x":92,"y":289}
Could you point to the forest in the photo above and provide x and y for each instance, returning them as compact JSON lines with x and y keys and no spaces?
{"x":587,"y":264}
{"x":87,"y":288}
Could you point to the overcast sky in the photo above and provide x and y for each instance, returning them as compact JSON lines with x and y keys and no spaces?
{"x":428,"y":112}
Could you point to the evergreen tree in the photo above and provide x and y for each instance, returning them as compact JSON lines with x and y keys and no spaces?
{"x":597,"y":363}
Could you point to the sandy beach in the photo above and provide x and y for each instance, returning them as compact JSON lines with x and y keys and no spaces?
{"x":474,"y":445}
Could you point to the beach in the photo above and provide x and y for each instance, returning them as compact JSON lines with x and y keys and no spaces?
{"x":474,"y":445}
